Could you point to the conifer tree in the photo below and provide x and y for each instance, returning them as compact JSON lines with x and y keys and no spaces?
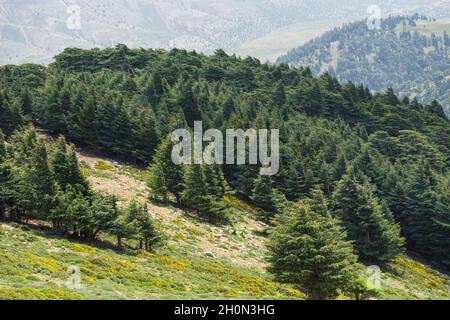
{"x":279,"y":98}
{"x":34,"y":185}
{"x":146,"y":231}
{"x":75,"y":176}
{"x":86,"y":126}
{"x":313,"y":101}
{"x":376,"y":237}
{"x":195,"y":189}
{"x":58,"y":162}
{"x":26,"y":102}
{"x":11,"y":116}
{"x":172,"y":175}
{"x":294,"y":186}
{"x":106,"y":116}
{"x":187,"y":102}
{"x":310,"y":249}
{"x":157,"y":182}
{"x":103,"y":213}
{"x":228,"y":109}
{"x":146,"y":138}
{"x":217,"y":185}
{"x":263,"y":196}
{"x":425,"y":220}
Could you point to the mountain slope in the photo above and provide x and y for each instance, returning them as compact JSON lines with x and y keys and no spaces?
{"x":338,"y":142}
{"x":34,"y":31}
{"x":34,"y":262}
{"x":412,"y":55}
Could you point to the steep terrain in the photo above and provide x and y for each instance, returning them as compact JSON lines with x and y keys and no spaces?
{"x":410,"y":54}
{"x":365,"y":174}
{"x":199,"y":261}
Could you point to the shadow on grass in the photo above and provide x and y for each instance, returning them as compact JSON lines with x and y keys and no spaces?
{"x":44,"y":229}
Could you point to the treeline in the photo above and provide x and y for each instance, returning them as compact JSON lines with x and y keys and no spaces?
{"x":42,"y":180}
{"x":396,"y":55}
{"x":199,"y":187}
{"x":380,"y":162}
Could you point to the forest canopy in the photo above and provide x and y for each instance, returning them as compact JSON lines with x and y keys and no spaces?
{"x":377,"y":163}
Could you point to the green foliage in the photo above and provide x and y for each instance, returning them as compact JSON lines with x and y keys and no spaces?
{"x":125,"y":102}
{"x":397,"y":55}
{"x":369,"y":224}
{"x":263,"y":197}
{"x":195,"y":188}
{"x":309,"y":248}
{"x":163,"y":175}
{"x":43,"y":180}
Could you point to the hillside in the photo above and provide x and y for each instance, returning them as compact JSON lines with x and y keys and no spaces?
{"x":34,"y":31}
{"x":410,"y":54}
{"x":362,"y":179}
{"x":199,"y":261}
{"x":34,"y":261}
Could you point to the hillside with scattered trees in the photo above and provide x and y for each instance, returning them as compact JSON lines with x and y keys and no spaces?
{"x":409,"y":54}
{"x":364,"y":178}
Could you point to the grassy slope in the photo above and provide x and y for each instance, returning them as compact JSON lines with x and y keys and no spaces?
{"x":280,"y":41}
{"x":33,"y":262}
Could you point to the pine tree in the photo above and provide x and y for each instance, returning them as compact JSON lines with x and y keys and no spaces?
{"x":186,"y":101}
{"x":53,"y":114}
{"x":262,"y":196}
{"x":309,"y":249}
{"x":26,"y":102}
{"x":425,"y":220}
{"x":217,"y":185}
{"x":86,"y":126}
{"x":74,"y":175}
{"x":228,"y":108}
{"x":195,"y":189}
{"x":146,"y":138}
{"x":103,"y":214}
{"x":106,"y":113}
{"x":123,"y":228}
{"x":58,"y":162}
{"x":313,"y":103}
{"x":32,"y":178}
{"x":279,"y":98}
{"x":122,"y":130}
{"x":157,"y":182}
{"x":390,"y":97}
{"x":376,"y":237}
{"x":11,"y":116}
{"x":172,"y":175}
{"x":294,"y":185}
{"x":147,"y":234}
{"x":154,"y":90}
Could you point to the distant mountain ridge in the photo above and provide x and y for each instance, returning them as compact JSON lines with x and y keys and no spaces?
{"x":34,"y":31}
{"x":409,"y":54}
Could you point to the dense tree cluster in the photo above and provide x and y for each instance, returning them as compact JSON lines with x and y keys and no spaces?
{"x":399,"y":54}
{"x":377,"y":165}
{"x":42,"y":180}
